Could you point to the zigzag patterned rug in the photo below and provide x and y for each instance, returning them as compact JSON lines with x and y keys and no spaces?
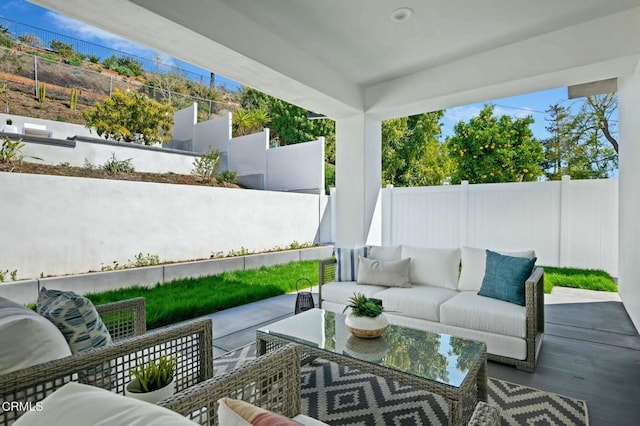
{"x":339,"y":395}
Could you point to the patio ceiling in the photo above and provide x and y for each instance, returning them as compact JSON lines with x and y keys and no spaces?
{"x":341,"y":57}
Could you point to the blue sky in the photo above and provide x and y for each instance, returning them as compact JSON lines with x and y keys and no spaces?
{"x":518,"y":106}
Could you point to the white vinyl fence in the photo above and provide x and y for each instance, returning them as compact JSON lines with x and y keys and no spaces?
{"x":571,"y":223}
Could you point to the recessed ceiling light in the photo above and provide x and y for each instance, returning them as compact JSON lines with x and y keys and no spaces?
{"x":401,"y":14}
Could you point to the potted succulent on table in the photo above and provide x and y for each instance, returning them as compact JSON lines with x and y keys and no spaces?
{"x":153,"y":381}
{"x":366,"y":318}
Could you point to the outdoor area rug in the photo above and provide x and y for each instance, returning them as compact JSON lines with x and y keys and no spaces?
{"x":339,"y":395}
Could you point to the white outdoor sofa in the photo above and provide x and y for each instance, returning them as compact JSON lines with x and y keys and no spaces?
{"x":443,"y":297}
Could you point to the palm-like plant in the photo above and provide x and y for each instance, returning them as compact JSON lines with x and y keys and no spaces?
{"x":362,"y":306}
{"x":154,"y":376}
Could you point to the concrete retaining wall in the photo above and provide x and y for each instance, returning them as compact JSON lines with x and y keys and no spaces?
{"x":27,"y":291}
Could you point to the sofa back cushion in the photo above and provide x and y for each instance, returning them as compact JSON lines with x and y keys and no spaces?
{"x":385,"y":252}
{"x":27,"y":338}
{"x":387,"y":273}
{"x":474,"y":263}
{"x":347,"y":262}
{"x":436,"y":267}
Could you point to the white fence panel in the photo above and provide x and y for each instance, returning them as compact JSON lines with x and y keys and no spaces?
{"x":425,"y":217}
{"x":568,"y":223}
{"x":514,"y":217}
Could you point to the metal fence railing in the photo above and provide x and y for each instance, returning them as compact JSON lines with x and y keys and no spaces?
{"x":42,"y":38}
{"x":27,"y":71}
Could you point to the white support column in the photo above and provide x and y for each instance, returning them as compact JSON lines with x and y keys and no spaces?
{"x":358,"y":177}
{"x":629,"y":195}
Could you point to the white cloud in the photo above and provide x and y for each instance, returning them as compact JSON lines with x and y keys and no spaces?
{"x":463,"y":113}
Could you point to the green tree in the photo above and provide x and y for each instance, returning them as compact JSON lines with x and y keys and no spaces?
{"x":5,"y":37}
{"x":602,"y":108}
{"x":491,"y":149}
{"x":576,"y":147}
{"x":289,"y":123}
{"x":131,"y":117}
{"x":412,"y":154}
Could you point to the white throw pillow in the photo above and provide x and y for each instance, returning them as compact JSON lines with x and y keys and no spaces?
{"x":27,"y":338}
{"x":436,"y":267}
{"x":473,"y":266}
{"x":76,"y":404}
{"x":385,"y":252}
{"x":390,"y":273}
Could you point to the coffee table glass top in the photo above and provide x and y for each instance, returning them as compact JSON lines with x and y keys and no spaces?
{"x":438,"y":357}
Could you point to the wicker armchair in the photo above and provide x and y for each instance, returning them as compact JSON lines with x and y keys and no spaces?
{"x":271,"y":381}
{"x":108,"y":367}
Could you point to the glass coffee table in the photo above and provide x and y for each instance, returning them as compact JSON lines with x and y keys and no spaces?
{"x":452,"y":367}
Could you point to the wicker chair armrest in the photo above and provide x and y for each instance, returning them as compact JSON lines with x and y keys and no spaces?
{"x":271,"y":381}
{"x":108,"y":367}
{"x":485,"y":415}
{"x":534,"y":302}
{"x":326,"y":274}
{"x":125,"y":318}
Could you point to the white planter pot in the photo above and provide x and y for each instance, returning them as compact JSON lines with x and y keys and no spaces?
{"x":366,"y":327}
{"x":153,"y":396}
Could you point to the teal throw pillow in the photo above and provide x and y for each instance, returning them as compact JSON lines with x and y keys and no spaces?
{"x":504,"y":277}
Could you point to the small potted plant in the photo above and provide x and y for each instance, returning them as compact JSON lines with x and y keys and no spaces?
{"x":366,"y":318}
{"x":153,"y":381}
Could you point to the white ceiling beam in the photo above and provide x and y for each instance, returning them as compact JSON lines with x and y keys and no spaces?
{"x":599,"y":49}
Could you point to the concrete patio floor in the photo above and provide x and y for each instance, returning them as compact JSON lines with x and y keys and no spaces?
{"x":591,"y":349}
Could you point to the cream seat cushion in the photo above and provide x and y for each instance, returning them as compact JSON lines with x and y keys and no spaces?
{"x":76,"y":404}
{"x":341,"y":292}
{"x":420,"y":301}
{"x":27,"y":338}
{"x":469,"y":310}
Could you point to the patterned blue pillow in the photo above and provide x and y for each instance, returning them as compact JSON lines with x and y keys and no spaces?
{"x":347,"y":259}
{"x":76,"y":317}
{"x":504,"y":277}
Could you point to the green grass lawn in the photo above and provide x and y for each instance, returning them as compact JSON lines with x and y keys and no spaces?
{"x":180,"y":300}
{"x":588,"y":279}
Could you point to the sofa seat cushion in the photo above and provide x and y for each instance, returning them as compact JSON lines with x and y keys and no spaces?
{"x":341,"y":292}
{"x":469,"y":310}
{"x":436,"y":267}
{"x":420,"y":301}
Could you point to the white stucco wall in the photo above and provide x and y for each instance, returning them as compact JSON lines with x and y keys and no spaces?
{"x":59,"y":129}
{"x":298,"y":167}
{"x":212,"y":134}
{"x":248,"y":154}
{"x":183,"y":122}
{"x":98,"y":152}
{"x":60,"y":225}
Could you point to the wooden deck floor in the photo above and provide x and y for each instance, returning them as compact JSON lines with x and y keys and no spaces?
{"x":591,"y":351}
